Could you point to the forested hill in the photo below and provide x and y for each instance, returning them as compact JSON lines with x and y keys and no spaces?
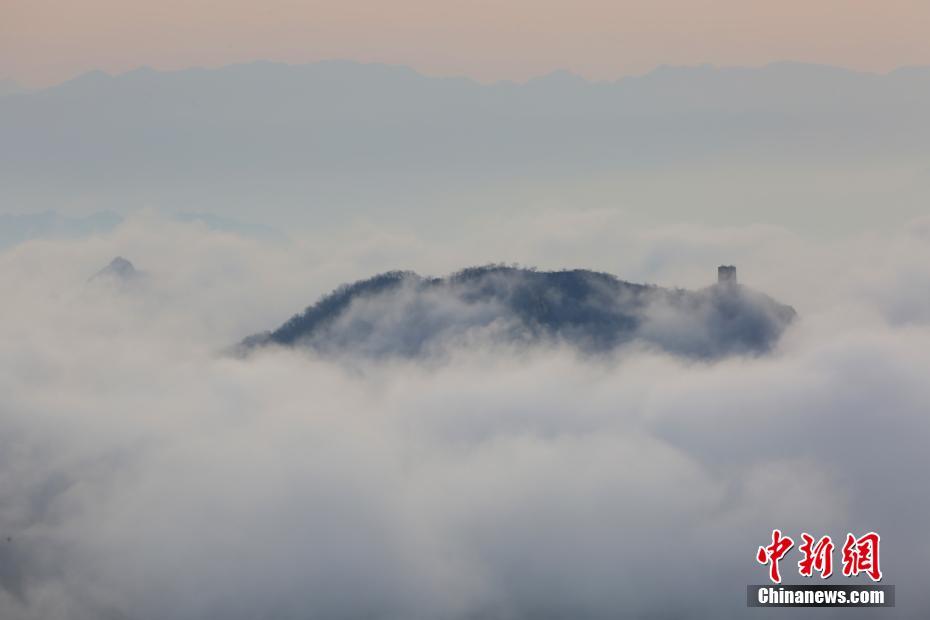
{"x":404,"y":314}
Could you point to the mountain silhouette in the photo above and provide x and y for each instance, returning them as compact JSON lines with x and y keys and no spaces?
{"x":16,"y":228}
{"x":304,"y":137}
{"x":402,"y":314}
{"x":119,"y":270}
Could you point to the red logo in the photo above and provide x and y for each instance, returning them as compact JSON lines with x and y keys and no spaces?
{"x":817,"y":557}
{"x":772,"y":554}
{"x":860,"y":555}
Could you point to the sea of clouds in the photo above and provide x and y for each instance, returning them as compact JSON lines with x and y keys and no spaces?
{"x":145,"y":474}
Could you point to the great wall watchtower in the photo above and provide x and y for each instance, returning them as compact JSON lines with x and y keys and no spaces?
{"x":726,"y":274}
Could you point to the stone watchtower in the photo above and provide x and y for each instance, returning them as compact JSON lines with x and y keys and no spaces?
{"x":726,"y":274}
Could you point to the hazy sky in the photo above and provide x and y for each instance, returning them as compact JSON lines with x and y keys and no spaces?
{"x":45,"y":41}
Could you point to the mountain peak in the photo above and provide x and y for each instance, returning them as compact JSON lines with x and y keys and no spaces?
{"x":119,"y":269}
{"x":403,"y":314}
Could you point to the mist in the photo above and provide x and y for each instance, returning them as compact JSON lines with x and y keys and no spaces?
{"x":147,"y":474}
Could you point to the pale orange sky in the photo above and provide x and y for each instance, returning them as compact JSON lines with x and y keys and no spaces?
{"x":47,"y":41}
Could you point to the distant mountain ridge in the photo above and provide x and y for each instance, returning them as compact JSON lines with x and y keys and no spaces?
{"x":49,"y":224}
{"x":17,"y":228}
{"x":120,"y":272}
{"x":335,"y":133}
{"x":401,"y":314}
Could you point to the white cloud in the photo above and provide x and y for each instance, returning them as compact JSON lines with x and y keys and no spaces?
{"x":144,"y":476}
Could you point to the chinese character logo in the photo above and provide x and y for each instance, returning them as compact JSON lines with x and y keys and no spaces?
{"x":772,"y":554}
{"x":817,"y":557}
{"x":860,"y":555}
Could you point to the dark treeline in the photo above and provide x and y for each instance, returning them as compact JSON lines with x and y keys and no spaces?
{"x":400,"y":313}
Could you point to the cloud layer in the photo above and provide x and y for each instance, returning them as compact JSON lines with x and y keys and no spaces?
{"x":142,"y":475}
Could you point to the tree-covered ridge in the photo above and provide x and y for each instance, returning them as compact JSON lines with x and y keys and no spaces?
{"x":400,"y":313}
